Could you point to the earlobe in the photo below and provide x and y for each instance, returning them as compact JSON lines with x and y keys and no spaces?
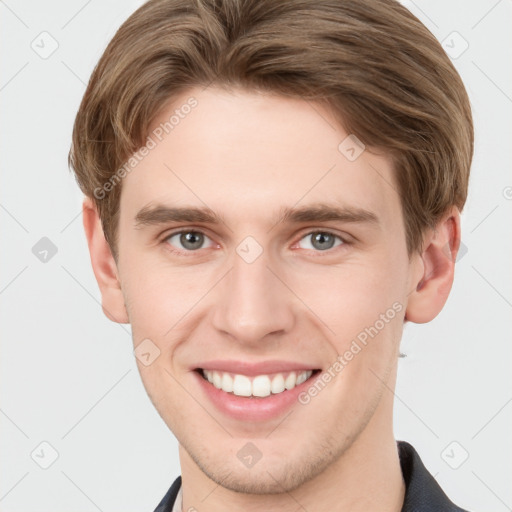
{"x":104,"y":265}
{"x":430,"y":292}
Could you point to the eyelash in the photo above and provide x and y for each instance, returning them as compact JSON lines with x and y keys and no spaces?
{"x":198,"y":231}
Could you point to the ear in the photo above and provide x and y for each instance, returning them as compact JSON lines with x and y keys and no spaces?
{"x":103,"y":265}
{"x":438,"y":257}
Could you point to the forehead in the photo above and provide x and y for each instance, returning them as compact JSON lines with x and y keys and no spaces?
{"x":247,"y":155}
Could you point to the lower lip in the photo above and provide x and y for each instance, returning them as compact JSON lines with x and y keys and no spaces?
{"x":252,"y":408}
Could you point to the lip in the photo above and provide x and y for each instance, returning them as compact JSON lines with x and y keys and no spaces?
{"x":253,"y":369}
{"x":253,"y":409}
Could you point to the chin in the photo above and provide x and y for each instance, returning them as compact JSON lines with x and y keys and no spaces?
{"x":261,"y":482}
{"x":269,"y":475}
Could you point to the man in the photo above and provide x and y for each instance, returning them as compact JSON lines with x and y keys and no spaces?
{"x":272,"y":190}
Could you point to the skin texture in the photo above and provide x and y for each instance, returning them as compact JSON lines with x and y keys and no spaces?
{"x":246,"y":155}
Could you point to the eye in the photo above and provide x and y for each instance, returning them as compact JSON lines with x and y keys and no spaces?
{"x":189,"y":240}
{"x":321,"y":240}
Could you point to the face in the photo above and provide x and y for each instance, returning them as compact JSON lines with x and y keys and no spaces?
{"x":254,"y":249}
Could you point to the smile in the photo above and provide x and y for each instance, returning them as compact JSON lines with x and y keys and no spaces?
{"x":257,"y":386}
{"x":250,"y":391}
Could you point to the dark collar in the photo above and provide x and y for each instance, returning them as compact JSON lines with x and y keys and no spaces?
{"x":170,"y":497}
{"x":422,"y":494}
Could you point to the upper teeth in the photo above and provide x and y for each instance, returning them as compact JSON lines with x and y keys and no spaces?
{"x":262,"y":385}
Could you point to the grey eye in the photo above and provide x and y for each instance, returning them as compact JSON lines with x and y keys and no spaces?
{"x":189,"y":240}
{"x":321,"y":240}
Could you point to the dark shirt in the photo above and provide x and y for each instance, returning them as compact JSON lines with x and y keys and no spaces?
{"x":422,"y":493}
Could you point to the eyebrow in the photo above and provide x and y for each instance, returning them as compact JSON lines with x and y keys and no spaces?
{"x":161,"y":214}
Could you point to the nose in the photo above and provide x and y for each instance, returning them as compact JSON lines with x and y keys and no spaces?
{"x":253,"y":302}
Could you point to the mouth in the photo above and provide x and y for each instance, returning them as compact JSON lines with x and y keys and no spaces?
{"x":253,"y":391}
{"x":258,"y":386}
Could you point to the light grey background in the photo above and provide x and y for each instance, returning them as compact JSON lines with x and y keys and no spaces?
{"x":68,"y":375}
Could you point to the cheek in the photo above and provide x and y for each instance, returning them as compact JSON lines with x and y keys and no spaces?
{"x":364,"y":365}
{"x":352,"y":295}
{"x":364,"y":309}
{"x":158,"y":293}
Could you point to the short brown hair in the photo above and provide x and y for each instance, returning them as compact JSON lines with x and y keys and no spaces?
{"x":373,"y":63}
